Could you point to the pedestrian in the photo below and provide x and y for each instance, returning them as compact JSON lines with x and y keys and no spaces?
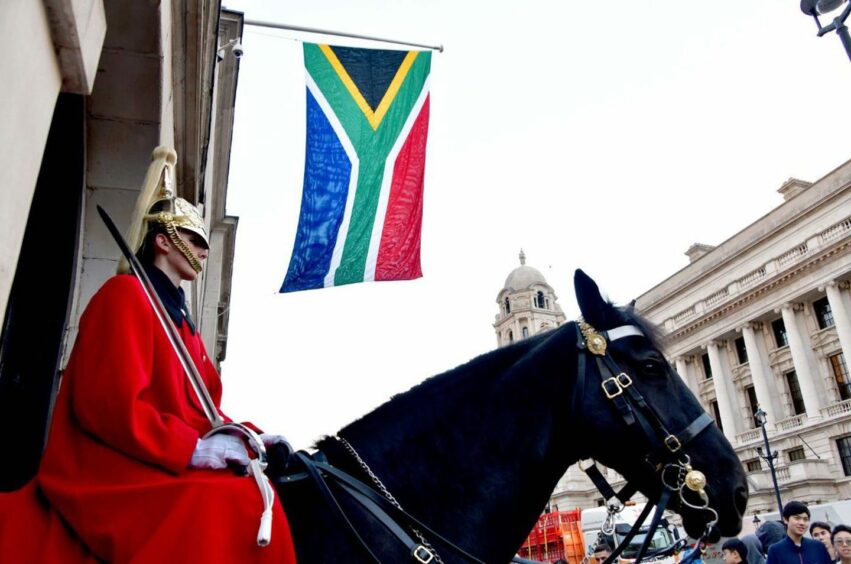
{"x":734,"y":551}
{"x":755,"y":555}
{"x":795,"y":548}
{"x":602,"y":551}
{"x":820,"y":531}
{"x":841,"y":538}
{"x":769,"y":533}
{"x":128,"y":464}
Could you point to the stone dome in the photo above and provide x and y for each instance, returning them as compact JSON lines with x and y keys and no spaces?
{"x":524,"y":276}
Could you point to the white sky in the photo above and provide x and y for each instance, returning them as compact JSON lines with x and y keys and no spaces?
{"x":604,"y":138}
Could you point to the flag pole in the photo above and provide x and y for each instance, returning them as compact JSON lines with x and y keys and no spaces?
{"x":273,"y":25}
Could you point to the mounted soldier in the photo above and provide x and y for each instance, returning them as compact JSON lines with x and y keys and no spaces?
{"x":130,"y":467}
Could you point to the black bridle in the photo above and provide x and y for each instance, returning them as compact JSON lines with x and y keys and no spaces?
{"x":665,"y":457}
{"x":672,"y":466}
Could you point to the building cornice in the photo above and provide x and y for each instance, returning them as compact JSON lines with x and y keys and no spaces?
{"x":678,"y":330}
{"x":820,"y":194}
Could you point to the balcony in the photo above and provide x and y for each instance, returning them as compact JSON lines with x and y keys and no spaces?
{"x":787,"y":260}
{"x":791,"y":422}
{"x":791,"y":474}
{"x":837,"y":409}
{"x":803,"y":471}
{"x":748,"y":436}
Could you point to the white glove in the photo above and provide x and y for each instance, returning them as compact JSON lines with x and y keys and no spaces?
{"x":216,"y":452}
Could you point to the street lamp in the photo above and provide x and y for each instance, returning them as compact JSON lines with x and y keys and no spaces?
{"x":769,"y":456}
{"x":815,"y":8}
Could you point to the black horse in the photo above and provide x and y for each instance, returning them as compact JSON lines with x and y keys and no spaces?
{"x":475,"y":452}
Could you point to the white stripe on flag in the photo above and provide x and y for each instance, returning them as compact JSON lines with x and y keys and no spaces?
{"x":386,"y":182}
{"x":339,"y":241}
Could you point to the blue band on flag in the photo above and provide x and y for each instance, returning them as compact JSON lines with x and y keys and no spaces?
{"x":327,"y":173}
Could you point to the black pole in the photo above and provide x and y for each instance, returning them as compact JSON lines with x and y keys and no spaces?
{"x":769,"y":457}
{"x":811,"y":8}
{"x":842,"y":31}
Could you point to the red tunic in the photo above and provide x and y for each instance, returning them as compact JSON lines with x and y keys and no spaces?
{"x":125,"y":425}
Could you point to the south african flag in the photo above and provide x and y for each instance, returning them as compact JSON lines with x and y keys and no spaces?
{"x":362,"y":204}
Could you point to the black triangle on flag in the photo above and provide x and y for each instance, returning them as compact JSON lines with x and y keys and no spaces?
{"x":372,"y":70}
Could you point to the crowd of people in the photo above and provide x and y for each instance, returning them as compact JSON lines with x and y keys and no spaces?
{"x":786,"y":541}
{"x":775,"y":542}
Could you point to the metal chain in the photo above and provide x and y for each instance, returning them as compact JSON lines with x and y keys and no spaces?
{"x":383,"y":489}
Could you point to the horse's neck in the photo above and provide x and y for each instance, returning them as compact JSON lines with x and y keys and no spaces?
{"x":482,"y":474}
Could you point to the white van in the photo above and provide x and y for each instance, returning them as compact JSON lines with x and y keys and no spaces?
{"x":666,"y":536}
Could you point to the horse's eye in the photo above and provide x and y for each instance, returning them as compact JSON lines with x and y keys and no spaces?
{"x":653,"y":366}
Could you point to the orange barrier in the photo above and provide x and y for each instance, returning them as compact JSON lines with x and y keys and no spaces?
{"x":556,"y":535}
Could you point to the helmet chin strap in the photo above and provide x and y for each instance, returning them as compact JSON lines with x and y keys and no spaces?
{"x":180,"y":244}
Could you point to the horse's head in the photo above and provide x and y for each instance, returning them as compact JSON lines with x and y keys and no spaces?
{"x":623,"y":445}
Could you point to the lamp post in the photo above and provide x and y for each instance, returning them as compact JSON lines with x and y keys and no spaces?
{"x":769,"y":456}
{"x":816,"y":8}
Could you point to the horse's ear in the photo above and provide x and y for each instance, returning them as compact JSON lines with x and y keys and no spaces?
{"x":591,"y":303}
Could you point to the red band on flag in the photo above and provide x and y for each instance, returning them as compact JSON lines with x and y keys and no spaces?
{"x":399,"y":251}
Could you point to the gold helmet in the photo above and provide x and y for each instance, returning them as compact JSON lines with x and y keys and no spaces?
{"x":157,"y":204}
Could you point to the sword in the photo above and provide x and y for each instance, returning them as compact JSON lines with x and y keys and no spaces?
{"x":256,"y":465}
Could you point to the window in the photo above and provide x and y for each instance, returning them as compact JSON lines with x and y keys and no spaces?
{"x":510,"y":336}
{"x":824,"y":315}
{"x":540,"y":301}
{"x":507,"y":306}
{"x":779,"y":330}
{"x":707,"y":368}
{"x":525,"y":332}
{"x":717,"y":413}
{"x":751,"y":394}
{"x":795,"y":392}
{"x":754,"y":465}
{"x":840,"y":374}
{"x":741,"y":351}
{"x":796,"y":454}
{"x":844,"y":446}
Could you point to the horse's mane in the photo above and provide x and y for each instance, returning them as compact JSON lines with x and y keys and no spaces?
{"x":466,"y":380}
{"x":475,"y":373}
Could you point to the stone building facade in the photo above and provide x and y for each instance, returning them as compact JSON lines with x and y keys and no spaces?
{"x":763,"y":320}
{"x":92,"y":88}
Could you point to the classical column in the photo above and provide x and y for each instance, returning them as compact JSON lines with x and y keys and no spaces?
{"x":799,"y":347}
{"x":840,"y":318}
{"x":761,"y":374}
{"x":686,"y":374}
{"x":730,"y":420}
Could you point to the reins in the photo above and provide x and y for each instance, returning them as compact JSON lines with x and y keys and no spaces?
{"x":673,"y":467}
